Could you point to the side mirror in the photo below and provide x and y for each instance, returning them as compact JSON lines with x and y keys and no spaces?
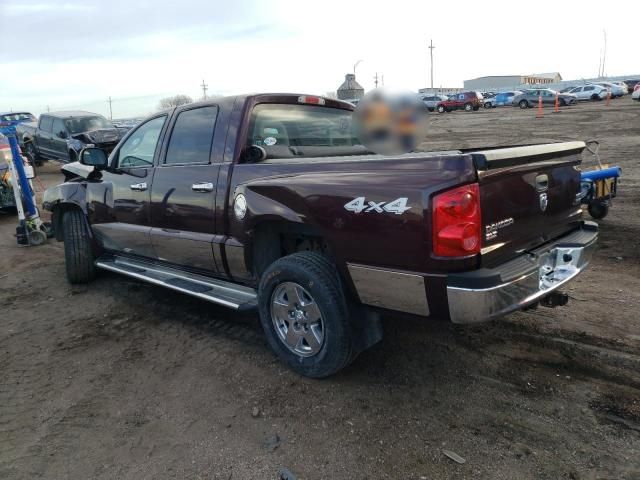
{"x":254,"y":154}
{"x":62,"y":134}
{"x":94,"y":157}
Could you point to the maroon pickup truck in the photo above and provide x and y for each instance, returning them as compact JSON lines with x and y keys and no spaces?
{"x":270,"y":202}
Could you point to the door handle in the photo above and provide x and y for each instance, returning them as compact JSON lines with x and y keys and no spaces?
{"x":138,"y":187}
{"x":202,"y":187}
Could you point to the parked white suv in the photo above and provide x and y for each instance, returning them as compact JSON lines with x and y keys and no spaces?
{"x":589,"y":92}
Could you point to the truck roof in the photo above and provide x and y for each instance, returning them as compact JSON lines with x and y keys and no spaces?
{"x":71,"y":114}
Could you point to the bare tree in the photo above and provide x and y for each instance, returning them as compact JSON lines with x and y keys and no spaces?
{"x":174,"y":101}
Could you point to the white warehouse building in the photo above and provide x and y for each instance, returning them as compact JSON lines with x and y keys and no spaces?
{"x":502,"y":82}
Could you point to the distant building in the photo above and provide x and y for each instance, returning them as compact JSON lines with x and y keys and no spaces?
{"x":350,"y":89}
{"x":497,"y":82}
{"x":441,"y":90}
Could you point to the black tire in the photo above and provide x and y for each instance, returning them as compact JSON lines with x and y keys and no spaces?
{"x":562,"y":102}
{"x":78,"y":248}
{"x":487,"y":105}
{"x":30,"y":152}
{"x":431,"y":109}
{"x":318,"y":276}
{"x":598,"y":209}
{"x":441,"y":109}
{"x":595,"y":97}
{"x":475,"y":109}
{"x":523,"y":104}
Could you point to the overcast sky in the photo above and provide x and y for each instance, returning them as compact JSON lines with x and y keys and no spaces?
{"x":75,"y":54}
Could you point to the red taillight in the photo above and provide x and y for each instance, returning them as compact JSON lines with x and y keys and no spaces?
{"x":457,"y":225}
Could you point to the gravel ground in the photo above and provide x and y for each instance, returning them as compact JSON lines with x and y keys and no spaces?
{"x":120,"y":379}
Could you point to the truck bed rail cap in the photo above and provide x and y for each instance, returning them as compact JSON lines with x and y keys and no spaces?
{"x":529,"y":150}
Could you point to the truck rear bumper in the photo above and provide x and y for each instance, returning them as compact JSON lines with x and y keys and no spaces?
{"x":486,"y":294}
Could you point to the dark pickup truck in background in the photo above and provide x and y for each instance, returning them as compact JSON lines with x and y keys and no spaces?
{"x":270,"y":202}
{"x":62,"y":135}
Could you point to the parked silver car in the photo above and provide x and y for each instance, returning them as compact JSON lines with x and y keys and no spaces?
{"x":589,"y":92}
{"x":431,"y":101}
{"x":616,"y":90}
{"x":529,"y":98}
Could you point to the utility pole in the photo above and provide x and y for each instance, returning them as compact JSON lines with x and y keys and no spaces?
{"x":604,"y":55}
{"x":375,"y":80}
{"x":110,"y":110}
{"x":48,"y":109}
{"x":204,"y":90}
{"x":355,"y":65}
{"x":431,"y":47}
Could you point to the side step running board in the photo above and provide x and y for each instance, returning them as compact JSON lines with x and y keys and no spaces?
{"x":223,"y":293}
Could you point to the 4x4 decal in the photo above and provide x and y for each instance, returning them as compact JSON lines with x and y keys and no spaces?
{"x":357,"y":205}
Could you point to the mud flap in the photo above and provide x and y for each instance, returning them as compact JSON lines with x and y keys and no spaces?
{"x":366,"y":328}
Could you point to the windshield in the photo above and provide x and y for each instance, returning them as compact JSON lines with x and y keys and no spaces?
{"x":85,"y":124}
{"x":17,"y":117}
{"x":301,"y":130}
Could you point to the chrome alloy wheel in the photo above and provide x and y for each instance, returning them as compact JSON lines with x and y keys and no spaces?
{"x":297,"y":319}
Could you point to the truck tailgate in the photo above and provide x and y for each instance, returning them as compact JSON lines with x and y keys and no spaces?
{"x":528,"y":197}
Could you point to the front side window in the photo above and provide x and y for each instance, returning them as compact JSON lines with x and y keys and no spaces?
{"x":192,"y":136}
{"x":46,"y":124}
{"x":292,"y":130}
{"x":139,"y":149}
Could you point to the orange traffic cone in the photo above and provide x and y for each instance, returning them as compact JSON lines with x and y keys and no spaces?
{"x":556,"y":106}
{"x":608,"y":97}
{"x":539,"y":114}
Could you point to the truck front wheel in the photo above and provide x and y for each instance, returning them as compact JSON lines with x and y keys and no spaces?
{"x":304,"y":314}
{"x":78,"y":250}
{"x":31,"y":153}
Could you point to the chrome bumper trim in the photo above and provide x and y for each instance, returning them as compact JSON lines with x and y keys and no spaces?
{"x":555,"y":267}
{"x":378,"y":287}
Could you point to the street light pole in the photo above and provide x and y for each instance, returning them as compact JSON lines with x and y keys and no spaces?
{"x":355,"y":65}
{"x":431,"y":47}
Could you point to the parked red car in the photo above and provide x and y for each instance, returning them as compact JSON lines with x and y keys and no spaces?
{"x":467,"y":101}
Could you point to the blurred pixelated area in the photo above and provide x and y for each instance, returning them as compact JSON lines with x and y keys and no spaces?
{"x":390,"y":123}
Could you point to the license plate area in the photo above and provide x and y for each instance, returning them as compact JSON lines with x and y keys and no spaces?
{"x":558,"y":265}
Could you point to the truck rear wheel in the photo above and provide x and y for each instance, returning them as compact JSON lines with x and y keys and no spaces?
{"x":304,"y":314}
{"x":78,"y":250}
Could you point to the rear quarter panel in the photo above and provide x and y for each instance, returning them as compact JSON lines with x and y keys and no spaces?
{"x":315,"y":193}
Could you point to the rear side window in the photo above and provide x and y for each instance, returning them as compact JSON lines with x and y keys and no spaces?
{"x":588,"y":89}
{"x":192,"y":136}
{"x":58,"y":126}
{"x":46,"y":124}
